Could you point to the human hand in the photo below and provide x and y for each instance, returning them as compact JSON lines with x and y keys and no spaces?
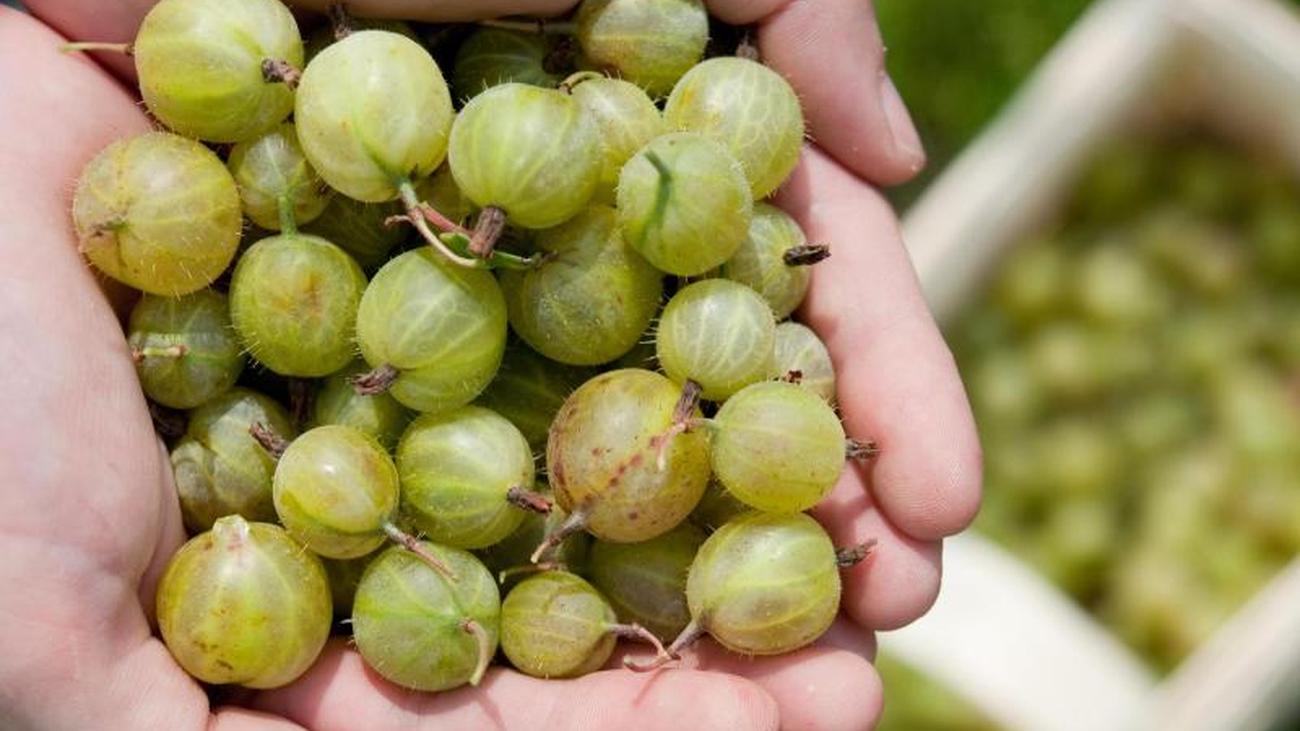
{"x":88,"y":515}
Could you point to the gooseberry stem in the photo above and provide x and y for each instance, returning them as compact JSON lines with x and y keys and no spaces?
{"x":576,"y":521}
{"x":574,"y":79}
{"x":376,"y":381}
{"x":806,"y":255}
{"x":794,"y":375}
{"x":340,"y":21}
{"x":288,"y":220}
{"x":487,"y":230}
{"x":171,"y":351}
{"x":412,"y":544}
{"x":859,"y":450}
{"x":533,"y":26}
{"x":531,"y":569}
{"x":693,"y":631}
{"x":636,"y":632}
{"x":301,"y":396}
{"x":279,"y":71}
{"x":484,"y":649}
{"x":416,"y":215}
{"x":683,"y":421}
{"x":127,"y":48}
{"x":274,"y":444}
{"x":851,"y":556}
{"x":525,"y":499}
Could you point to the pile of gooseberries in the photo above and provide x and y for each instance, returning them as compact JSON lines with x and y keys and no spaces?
{"x":371,"y":304}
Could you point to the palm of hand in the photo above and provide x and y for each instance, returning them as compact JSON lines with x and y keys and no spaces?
{"x":88,"y":514}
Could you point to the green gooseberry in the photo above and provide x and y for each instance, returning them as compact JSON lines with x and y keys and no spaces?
{"x":373,"y":115}
{"x":242,"y":603}
{"x":777,"y":447}
{"x":279,"y":188}
{"x":529,"y":389}
{"x":798,"y":350}
{"x":646,"y":582}
{"x":434,"y":332}
{"x":184,"y":349}
{"x":556,"y":625}
{"x":774,"y":260}
{"x":336,"y":491}
{"x":684,"y":204}
{"x":748,"y":108}
{"x":159,"y":213}
{"x":457,"y":470}
{"x":591,"y":297}
{"x":651,"y":43}
{"x":293,"y":301}
{"x":493,"y":56}
{"x":219,"y":468}
{"x":213,"y":69}
{"x":720,"y":335}
{"x":627,"y":118}
{"x":379,"y":415}
{"x":614,"y":463}
{"x":532,"y":153}
{"x":763,"y":584}
{"x":421,"y":630}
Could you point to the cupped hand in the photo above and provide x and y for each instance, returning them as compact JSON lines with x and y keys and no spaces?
{"x":88,"y":513}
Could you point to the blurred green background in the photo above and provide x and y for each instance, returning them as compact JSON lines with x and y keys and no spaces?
{"x":1134,"y":366}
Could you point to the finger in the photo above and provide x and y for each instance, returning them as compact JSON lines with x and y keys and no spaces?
{"x":832,"y":54}
{"x":829,"y":686}
{"x":899,"y":580}
{"x":340,"y":692}
{"x":898,"y":384}
{"x":242,"y":719}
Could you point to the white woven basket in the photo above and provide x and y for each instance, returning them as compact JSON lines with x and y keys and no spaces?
{"x":1000,"y":635}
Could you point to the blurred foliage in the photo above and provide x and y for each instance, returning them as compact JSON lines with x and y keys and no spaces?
{"x":1136,"y":379}
{"x":914,"y":702}
{"x":956,"y":62}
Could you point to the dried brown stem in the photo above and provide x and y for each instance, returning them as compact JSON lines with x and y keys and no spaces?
{"x":794,"y":375}
{"x":267,"y":439}
{"x":860,"y":450}
{"x":485,"y":650}
{"x":532,"y":568}
{"x":487,"y":231}
{"x":806,"y":255}
{"x":171,"y":351}
{"x":279,"y":71}
{"x":301,"y":396}
{"x":851,"y":556}
{"x":694,"y":631}
{"x":525,"y":499}
{"x":376,"y":381}
{"x":636,"y":632}
{"x":576,"y":521}
{"x":412,"y":544}
{"x":340,"y":21}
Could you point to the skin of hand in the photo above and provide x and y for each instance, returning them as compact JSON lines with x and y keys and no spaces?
{"x":88,"y":513}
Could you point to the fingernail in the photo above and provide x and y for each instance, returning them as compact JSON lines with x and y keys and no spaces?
{"x":907,"y":143}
